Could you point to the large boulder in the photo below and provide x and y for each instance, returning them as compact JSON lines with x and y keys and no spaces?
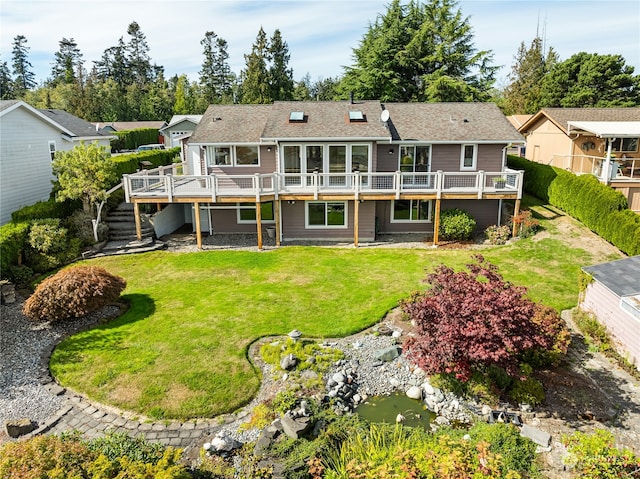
{"x":295,"y":427}
{"x":388,"y":354}
{"x":19,"y":427}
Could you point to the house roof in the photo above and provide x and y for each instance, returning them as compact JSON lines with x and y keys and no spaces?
{"x":175,"y":119}
{"x":77,"y":126}
{"x":7,"y":106}
{"x":4,"y":104}
{"x":451,"y":122}
{"x":518,"y":120}
{"x":607,"y":129}
{"x":562,"y":116}
{"x":321,"y":121}
{"x":622,"y":277}
{"x":131,"y":125}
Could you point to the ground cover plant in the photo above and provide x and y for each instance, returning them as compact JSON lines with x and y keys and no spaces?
{"x":180,"y":350}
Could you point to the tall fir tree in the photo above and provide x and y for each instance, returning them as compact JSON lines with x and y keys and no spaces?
{"x":420,"y":52}
{"x":114,"y":65}
{"x":6,"y":84}
{"x":522,"y":95}
{"x":139,"y":61}
{"x":215,"y":77}
{"x":68,"y":61}
{"x":255,"y":77}
{"x":280,"y":75}
{"x":24,"y":78}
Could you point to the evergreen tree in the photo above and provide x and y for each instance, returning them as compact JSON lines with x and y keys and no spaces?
{"x":280,"y":75}
{"x":591,"y":80}
{"x":68,"y":60}
{"x":6,"y":85}
{"x":24,"y":78}
{"x":138,"y":58}
{"x":216,"y":76}
{"x":255,"y":78}
{"x":114,"y":65}
{"x":530,"y":67}
{"x":420,"y":52}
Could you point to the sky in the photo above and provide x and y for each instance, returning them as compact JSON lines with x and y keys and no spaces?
{"x":321,"y":35}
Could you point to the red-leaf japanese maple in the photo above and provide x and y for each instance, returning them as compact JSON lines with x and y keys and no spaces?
{"x":470,"y":319}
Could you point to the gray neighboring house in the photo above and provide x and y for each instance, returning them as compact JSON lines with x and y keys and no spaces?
{"x":614,"y":298}
{"x":29,"y":138}
{"x":180,"y":127}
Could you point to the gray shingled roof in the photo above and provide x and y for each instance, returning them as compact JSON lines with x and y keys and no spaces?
{"x":231,"y":124}
{"x":7,"y":103}
{"x":561,"y":116}
{"x":451,"y":122}
{"x":77,"y":126}
{"x":622,"y":277}
{"x":437,"y":122}
{"x":132,"y":125}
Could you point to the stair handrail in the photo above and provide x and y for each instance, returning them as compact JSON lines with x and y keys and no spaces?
{"x":95,"y":222}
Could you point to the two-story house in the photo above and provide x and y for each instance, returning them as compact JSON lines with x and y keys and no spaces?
{"x":337,"y":170}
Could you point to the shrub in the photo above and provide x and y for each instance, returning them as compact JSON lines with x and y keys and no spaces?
{"x":119,"y":444}
{"x":498,"y":234}
{"x":132,"y":139}
{"x":594,"y":456}
{"x":526,"y":224}
{"x":456,"y":225}
{"x":130,"y":163}
{"x":81,"y":226}
{"x":50,"y":246}
{"x":527,"y":391}
{"x":553,"y":327}
{"x":46,"y":209}
{"x":73,"y":292}
{"x":20,"y":275}
{"x":13,"y":240}
{"x":470,"y":320}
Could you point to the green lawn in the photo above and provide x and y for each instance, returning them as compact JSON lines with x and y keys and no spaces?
{"x":180,"y":351}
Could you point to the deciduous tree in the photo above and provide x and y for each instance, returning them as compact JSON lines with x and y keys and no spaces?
{"x":468,"y":320}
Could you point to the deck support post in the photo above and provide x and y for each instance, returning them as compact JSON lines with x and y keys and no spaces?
{"x":436,"y":222}
{"x":276,"y":214}
{"x":516,"y":212}
{"x":136,"y":215}
{"x":198,"y":229}
{"x":259,"y":223}
{"x":356,"y":222}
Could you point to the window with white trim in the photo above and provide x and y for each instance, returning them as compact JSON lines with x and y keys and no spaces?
{"x":52,"y":149}
{"x":415,"y":158}
{"x":468,"y":157}
{"x":326,"y":214}
{"x":230,"y":155}
{"x":410,"y":211}
{"x":247,"y":212}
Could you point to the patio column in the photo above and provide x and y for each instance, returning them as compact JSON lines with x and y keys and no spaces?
{"x":136,"y":215}
{"x":259,"y":223}
{"x":198,"y":231}
{"x":356,"y":222}
{"x":606,"y":168}
{"x":276,"y":214}
{"x":436,"y":222}
{"x":516,"y":212}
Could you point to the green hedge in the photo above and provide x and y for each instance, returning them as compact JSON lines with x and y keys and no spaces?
{"x":45,"y":209}
{"x":13,"y":237}
{"x":130,"y":163}
{"x":599,"y":207}
{"x":132,"y":139}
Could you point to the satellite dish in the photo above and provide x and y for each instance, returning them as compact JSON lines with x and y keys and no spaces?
{"x":384,"y":116}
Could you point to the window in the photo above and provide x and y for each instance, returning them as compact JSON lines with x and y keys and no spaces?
{"x":624,"y":144}
{"x":52,"y":149}
{"x":326,"y":214}
{"x":356,"y":115}
{"x":296,"y":117}
{"x":415,"y":158}
{"x":245,"y":155}
{"x":468,"y":156}
{"x":408,"y":211}
{"x":247,"y":212}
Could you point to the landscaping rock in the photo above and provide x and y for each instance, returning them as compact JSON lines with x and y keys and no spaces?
{"x":295,"y":427}
{"x":264,"y":441}
{"x":541,"y":438}
{"x":7,"y":292}
{"x":388,"y":354}
{"x":289,"y":362}
{"x":223,"y":442}
{"x":19,"y":427}
{"x":414,"y":392}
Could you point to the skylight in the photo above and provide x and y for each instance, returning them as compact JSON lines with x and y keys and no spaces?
{"x":356,"y":115}
{"x":296,"y":116}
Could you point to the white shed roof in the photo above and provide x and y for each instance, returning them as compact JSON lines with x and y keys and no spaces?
{"x":607,"y":129}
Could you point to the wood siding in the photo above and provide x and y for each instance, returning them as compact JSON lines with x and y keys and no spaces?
{"x":25,"y":161}
{"x":624,"y":329}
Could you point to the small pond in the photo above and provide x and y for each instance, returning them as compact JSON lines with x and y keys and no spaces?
{"x":387,"y":408}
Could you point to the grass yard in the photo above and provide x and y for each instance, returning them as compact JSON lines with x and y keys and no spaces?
{"x":180,"y":351}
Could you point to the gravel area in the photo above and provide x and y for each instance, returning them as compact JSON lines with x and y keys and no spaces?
{"x":22,"y":345}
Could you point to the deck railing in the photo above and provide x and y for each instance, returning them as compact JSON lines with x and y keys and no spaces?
{"x":621,"y":169}
{"x":164,"y":183}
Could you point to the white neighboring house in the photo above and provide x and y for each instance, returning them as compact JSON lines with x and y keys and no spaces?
{"x":29,"y":138}
{"x":178,"y":127}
